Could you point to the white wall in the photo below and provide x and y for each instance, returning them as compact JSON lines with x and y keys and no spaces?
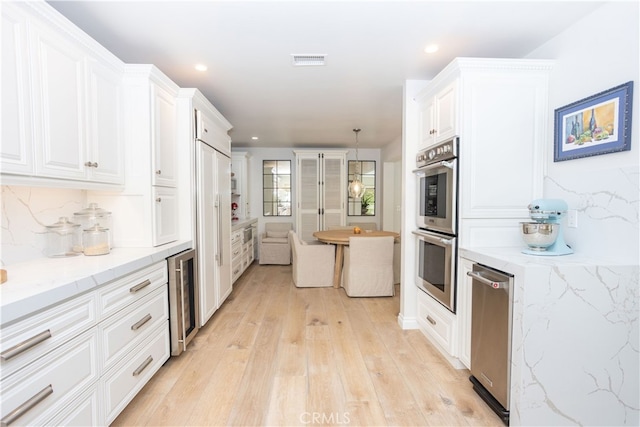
{"x":597,"y":53}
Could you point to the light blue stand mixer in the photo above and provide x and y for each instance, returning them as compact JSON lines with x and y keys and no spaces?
{"x":544,"y":235}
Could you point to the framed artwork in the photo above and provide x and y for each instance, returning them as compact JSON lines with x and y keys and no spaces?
{"x":599,"y":124}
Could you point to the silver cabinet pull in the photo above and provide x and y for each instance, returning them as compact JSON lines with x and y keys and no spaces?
{"x":91,"y":164}
{"x":139,"y":286}
{"x":141,"y":368}
{"x":26,"y":406}
{"x":141,"y":322}
{"x":430,"y":320}
{"x":158,"y":172}
{"x":95,"y":164}
{"x":159,"y":200}
{"x":25,"y":345}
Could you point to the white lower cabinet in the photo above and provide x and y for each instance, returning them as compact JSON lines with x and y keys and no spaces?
{"x":81,"y":362}
{"x":40,"y":390}
{"x":125,"y":380}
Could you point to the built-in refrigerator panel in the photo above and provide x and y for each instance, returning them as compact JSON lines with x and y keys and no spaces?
{"x":213,"y":227}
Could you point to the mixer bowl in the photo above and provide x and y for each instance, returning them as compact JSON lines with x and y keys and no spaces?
{"x":539,"y":236}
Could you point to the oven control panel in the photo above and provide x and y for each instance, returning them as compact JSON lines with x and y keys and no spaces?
{"x":444,"y":151}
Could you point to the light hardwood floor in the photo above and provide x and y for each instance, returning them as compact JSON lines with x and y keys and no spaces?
{"x":278,"y":355}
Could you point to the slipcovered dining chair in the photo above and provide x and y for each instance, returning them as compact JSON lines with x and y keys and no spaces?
{"x":312,"y":264}
{"x":274,"y":245}
{"x":368,"y":267}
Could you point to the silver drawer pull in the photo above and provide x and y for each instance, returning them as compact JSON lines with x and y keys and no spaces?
{"x":140,"y":322}
{"x":25,"y":345}
{"x":26,"y":406}
{"x":143,"y":366}
{"x":139,"y":286}
{"x":430,"y":320}
{"x":158,"y":172}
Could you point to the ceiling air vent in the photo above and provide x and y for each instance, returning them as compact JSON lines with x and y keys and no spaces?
{"x":300,"y":60}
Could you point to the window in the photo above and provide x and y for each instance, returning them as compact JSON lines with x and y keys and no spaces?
{"x":366,"y":170}
{"x":276,"y":187}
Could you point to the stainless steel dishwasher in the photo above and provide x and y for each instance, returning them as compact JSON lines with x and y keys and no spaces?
{"x":491,"y":317}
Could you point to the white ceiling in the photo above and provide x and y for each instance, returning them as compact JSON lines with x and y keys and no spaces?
{"x":372,"y":47}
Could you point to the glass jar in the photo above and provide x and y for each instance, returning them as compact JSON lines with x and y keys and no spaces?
{"x":62,"y":239}
{"x":95,"y":240}
{"x":93,"y":215}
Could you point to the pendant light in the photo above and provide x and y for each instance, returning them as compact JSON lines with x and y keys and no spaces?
{"x":356,"y":187}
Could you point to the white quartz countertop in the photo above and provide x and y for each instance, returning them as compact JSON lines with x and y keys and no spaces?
{"x":512,"y":260}
{"x":37,"y":284}
{"x":241,"y":223}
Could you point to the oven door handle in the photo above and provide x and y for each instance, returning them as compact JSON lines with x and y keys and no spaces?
{"x":432,"y":238}
{"x":443,"y":163}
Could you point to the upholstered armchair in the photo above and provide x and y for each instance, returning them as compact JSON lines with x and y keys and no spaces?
{"x":368,"y":267}
{"x":313,"y":265}
{"x":273,"y":244}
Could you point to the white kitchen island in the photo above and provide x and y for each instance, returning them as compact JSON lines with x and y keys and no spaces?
{"x":575,"y":344}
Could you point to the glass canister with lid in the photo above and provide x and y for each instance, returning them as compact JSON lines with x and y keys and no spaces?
{"x":93,"y":215}
{"x":95,"y":240}
{"x":62,"y":239}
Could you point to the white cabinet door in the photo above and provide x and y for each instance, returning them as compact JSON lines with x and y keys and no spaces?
{"x":104,"y":124}
{"x":164,"y":137}
{"x":334,"y":184}
{"x":16,"y":150}
{"x":446,"y":113}
{"x":58,"y":82}
{"x":223,"y":183}
{"x":464,"y":311}
{"x":308,"y":196}
{"x":427,"y":126}
{"x":438,"y":115}
{"x":165,"y":215}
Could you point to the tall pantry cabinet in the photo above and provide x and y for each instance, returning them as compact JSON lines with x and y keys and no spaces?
{"x":148,"y":207}
{"x":320,"y":191}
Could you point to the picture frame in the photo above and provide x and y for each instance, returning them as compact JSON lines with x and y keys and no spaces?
{"x":599,"y":124}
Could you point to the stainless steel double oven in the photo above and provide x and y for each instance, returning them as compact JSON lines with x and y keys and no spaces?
{"x":437,"y":220}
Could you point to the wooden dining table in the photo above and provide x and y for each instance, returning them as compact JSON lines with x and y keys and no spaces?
{"x":340,"y":238}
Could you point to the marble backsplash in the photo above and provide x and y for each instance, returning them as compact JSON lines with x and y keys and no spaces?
{"x":608,"y":205}
{"x":25,"y":213}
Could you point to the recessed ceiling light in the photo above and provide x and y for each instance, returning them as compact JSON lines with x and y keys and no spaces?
{"x":200,"y":67}
{"x":432,"y":48}
{"x":255,"y":138}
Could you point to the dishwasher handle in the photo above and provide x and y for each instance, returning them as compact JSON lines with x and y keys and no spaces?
{"x":485,"y":281}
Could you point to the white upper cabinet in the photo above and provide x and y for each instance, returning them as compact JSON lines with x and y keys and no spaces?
{"x":58,"y":82}
{"x":438,"y":115}
{"x":164,"y":137}
{"x":104,"y":123}
{"x":62,"y":100}
{"x":16,"y":150}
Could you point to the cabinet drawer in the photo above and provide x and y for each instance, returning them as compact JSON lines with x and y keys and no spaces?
{"x":123,"y":332}
{"x":436,"y":322}
{"x":236,"y":250}
{"x":123,"y":382}
{"x":83,"y":411}
{"x":29,"y":339}
{"x":236,"y":236}
{"x":52,"y":381}
{"x":119,"y":294}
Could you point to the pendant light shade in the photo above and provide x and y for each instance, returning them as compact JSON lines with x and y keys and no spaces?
{"x":356,"y":187}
